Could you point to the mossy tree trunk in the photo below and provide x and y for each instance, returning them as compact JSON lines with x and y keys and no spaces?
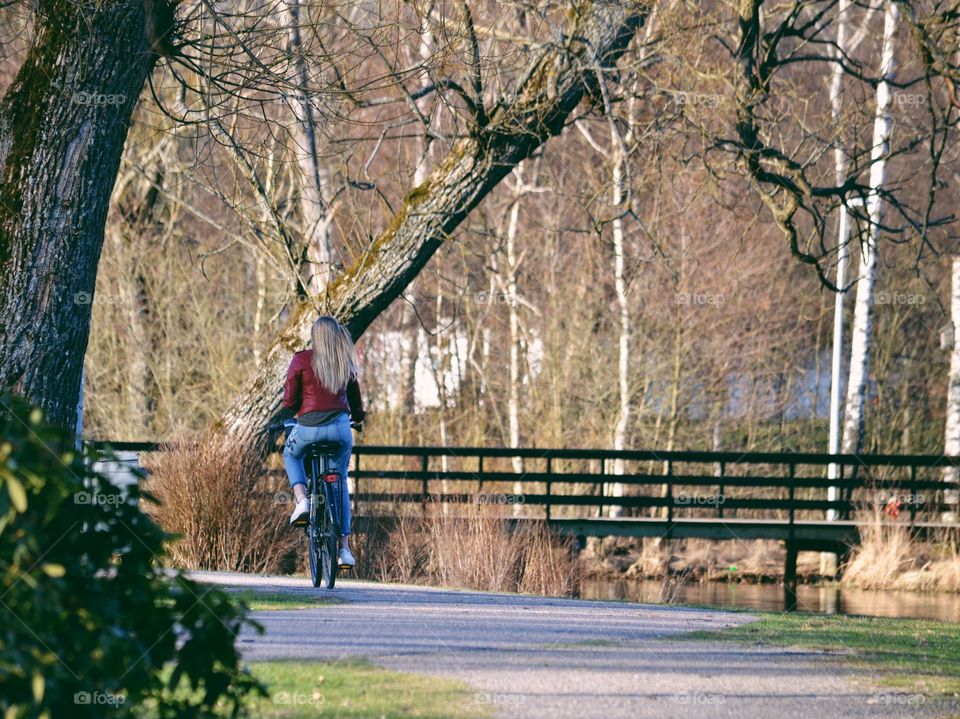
{"x":507,"y":134}
{"x":63,"y":124}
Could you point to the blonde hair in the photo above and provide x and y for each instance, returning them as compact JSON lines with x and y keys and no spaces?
{"x":334,"y":358}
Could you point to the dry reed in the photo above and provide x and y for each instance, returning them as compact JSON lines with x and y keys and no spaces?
{"x":890,"y":556}
{"x":471,"y":547}
{"x":226,"y":512}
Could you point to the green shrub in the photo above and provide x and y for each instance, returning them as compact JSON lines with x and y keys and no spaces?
{"x":91,"y":624}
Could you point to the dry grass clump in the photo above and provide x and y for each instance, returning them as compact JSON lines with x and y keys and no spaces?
{"x":228,"y":513}
{"x":891,"y":557}
{"x":470,"y":547}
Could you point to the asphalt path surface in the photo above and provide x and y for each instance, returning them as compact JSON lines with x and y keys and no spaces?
{"x":534,"y":657}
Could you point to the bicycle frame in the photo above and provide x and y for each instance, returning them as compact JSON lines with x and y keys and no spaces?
{"x":318,"y":470}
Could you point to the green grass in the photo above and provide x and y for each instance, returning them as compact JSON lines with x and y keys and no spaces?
{"x":910,"y":654}
{"x":356,"y":689}
{"x":260,"y":601}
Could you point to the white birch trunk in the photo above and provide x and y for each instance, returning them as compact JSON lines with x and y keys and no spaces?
{"x":853,"y":424}
{"x":260,"y":272}
{"x":951,"y":443}
{"x":314,"y":179}
{"x":410,"y":322}
{"x":620,"y":285}
{"x":513,"y":309}
{"x":828,"y":560}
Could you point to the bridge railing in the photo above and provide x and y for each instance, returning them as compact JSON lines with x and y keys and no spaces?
{"x":570,"y":482}
{"x":558,"y":484}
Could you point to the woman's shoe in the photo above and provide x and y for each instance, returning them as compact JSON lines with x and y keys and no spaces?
{"x":346,"y":558}
{"x":301,"y":512}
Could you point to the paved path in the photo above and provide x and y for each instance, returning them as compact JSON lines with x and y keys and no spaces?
{"x":534,"y":657}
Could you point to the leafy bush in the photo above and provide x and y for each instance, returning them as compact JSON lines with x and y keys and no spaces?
{"x":90,"y":622}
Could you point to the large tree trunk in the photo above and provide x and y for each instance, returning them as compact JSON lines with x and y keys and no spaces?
{"x":63,"y":124}
{"x":853,"y":421}
{"x":515,"y":128}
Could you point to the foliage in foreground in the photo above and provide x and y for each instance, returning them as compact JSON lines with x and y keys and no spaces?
{"x":91,"y":622}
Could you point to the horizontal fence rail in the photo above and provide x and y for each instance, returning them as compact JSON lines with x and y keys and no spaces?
{"x":568,"y":486}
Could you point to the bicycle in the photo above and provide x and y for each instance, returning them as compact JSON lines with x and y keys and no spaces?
{"x":324,"y":491}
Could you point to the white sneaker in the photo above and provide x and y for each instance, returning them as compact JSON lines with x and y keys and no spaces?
{"x":346,"y":558}
{"x":301,"y":513}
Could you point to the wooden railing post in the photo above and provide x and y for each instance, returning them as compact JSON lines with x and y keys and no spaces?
{"x":791,"y":473}
{"x":424,"y":464}
{"x":669,"y":495}
{"x":356,"y":482}
{"x":721,"y":497}
{"x":790,"y":566}
{"x":549,"y":483}
{"x":913,"y":494}
{"x":603,"y":486}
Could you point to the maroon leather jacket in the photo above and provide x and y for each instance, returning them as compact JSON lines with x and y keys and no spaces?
{"x":303,"y":393}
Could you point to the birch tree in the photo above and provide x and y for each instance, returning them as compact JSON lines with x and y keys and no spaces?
{"x":853,"y":421}
{"x":952,"y":428}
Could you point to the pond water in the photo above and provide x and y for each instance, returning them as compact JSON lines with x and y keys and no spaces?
{"x":822,"y":599}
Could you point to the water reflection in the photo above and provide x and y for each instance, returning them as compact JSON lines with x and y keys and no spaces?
{"x":829,"y":599}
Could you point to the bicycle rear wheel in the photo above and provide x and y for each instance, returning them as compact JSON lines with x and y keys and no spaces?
{"x":329,"y":564}
{"x":313,"y":538}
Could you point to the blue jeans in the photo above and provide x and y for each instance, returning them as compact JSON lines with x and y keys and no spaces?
{"x":336,"y":431}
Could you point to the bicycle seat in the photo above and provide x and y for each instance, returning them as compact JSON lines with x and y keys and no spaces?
{"x":316,"y":448}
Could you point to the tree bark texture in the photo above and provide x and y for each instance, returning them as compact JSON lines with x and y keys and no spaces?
{"x":63,"y":124}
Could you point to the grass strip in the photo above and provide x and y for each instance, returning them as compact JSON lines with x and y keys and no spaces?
{"x":356,"y":689}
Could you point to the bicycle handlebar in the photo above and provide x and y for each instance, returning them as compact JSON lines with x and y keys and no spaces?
{"x":287,"y":423}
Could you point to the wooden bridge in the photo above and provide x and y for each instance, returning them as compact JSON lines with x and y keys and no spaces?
{"x":670,"y":495}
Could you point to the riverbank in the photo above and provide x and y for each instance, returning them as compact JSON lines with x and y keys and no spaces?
{"x":889,"y":558}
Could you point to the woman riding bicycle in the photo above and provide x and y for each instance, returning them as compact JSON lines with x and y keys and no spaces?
{"x":323,"y":391}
